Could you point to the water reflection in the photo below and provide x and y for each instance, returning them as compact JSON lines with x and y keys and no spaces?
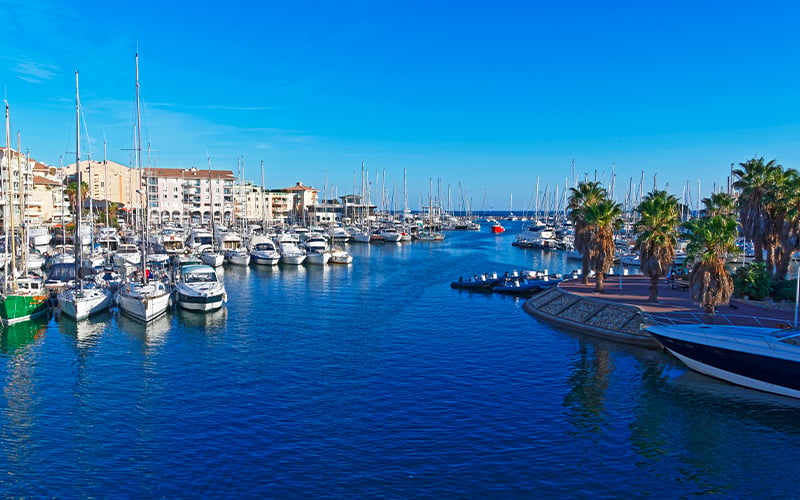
{"x":20,"y":335}
{"x":151,"y":334}
{"x":588,"y":384}
{"x":86,"y":332}
{"x":211,"y":323}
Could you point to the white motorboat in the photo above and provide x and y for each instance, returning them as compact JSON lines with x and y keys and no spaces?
{"x":83,"y":300}
{"x":198,"y":288}
{"x":211,"y":257}
{"x":390,"y":235}
{"x":237,"y":257}
{"x":341,"y":257}
{"x":143,"y":301}
{"x":316,"y":247}
{"x":339,"y":234}
{"x":127,"y":254}
{"x":263,"y":251}
{"x":759,"y":358}
{"x":291,"y":253}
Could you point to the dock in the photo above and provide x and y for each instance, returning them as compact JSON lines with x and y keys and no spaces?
{"x":623,"y":313}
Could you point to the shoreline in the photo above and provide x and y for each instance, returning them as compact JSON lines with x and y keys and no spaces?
{"x":622,"y":312}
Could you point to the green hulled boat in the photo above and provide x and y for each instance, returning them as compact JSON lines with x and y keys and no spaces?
{"x":28,"y":301}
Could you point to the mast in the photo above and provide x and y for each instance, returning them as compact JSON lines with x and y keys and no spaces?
{"x":263,"y":200}
{"x":142,"y":179}
{"x":105,"y":195}
{"x":78,"y":219}
{"x":23,"y":233}
{"x":9,"y":210}
{"x":211,"y":218}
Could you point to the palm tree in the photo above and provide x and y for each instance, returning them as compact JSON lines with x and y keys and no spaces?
{"x":758,"y":183}
{"x":584,"y":195}
{"x":601,"y":219}
{"x":720,"y":204}
{"x":72,"y":192}
{"x":712,"y":240}
{"x":788,"y":203}
{"x":658,"y":236}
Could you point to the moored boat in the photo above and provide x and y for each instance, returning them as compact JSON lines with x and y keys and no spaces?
{"x":759,"y":358}
{"x":198,"y":288}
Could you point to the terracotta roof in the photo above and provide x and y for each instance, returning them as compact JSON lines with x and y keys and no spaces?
{"x":38,"y":180}
{"x":189,"y":173}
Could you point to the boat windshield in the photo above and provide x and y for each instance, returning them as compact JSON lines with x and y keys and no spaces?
{"x":790,"y":336}
{"x":208,"y":277}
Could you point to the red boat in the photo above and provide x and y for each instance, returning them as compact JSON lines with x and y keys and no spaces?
{"x":497,"y":228}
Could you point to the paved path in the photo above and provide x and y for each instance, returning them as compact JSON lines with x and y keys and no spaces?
{"x":673,"y":302}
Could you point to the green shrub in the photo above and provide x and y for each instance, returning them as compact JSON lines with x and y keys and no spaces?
{"x":784,"y":290}
{"x":752,"y":280}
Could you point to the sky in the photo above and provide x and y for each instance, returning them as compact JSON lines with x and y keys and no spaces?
{"x":475,"y":101}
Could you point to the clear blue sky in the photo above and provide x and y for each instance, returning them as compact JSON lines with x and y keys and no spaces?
{"x":482,"y":95}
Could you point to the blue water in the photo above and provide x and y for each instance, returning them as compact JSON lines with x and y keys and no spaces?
{"x":375,"y":380}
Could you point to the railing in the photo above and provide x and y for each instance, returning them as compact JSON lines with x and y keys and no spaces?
{"x":686,"y":318}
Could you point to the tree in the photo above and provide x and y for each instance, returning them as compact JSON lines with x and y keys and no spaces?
{"x":759,"y":184}
{"x":720,"y":204}
{"x":584,"y":195}
{"x":658,"y":236}
{"x":712,"y":240}
{"x":72,"y":192}
{"x":601,"y":219}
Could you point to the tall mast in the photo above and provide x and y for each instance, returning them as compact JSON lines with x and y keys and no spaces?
{"x":105,"y":184}
{"x":211,"y":200}
{"x":142,"y":179}
{"x":9,"y":208}
{"x":263,"y":200}
{"x":78,"y":219}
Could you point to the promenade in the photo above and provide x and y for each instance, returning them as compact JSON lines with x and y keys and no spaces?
{"x":622,"y":312}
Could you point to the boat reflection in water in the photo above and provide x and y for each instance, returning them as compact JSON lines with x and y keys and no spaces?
{"x":211,"y":322}
{"x":87,"y":332}
{"x":19,"y":335}
{"x":152,"y":333}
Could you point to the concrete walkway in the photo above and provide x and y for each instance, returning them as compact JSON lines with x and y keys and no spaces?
{"x":677,"y":303}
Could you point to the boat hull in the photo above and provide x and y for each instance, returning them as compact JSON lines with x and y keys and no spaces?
{"x":778,"y":373}
{"x":144,"y":308}
{"x":79,"y":305}
{"x":199,"y":303}
{"x":18,"y":308}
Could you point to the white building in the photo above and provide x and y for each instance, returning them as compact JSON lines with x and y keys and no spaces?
{"x":186,"y":195}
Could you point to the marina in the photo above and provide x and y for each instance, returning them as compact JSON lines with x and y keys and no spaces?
{"x":375,"y":379}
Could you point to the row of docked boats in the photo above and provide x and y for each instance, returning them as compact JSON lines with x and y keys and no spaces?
{"x":517,"y":283}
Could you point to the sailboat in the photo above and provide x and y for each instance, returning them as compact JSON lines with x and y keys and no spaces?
{"x":83,"y":299}
{"x":141,"y":298}
{"x":23,"y":297}
{"x":209,"y":254}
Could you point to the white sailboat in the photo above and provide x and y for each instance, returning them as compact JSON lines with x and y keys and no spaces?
{"x":81,"y":300}
{"x":141,"y":298}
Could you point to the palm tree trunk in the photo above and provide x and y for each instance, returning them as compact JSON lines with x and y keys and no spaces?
{"x":598,"y":282}
{"x":654,"y":279}
{"x":585,"y":268}
{"x":770,"y":259}
{"x":758,"y":249}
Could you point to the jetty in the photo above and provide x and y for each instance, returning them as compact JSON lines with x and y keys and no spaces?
{"x":622,"y":312}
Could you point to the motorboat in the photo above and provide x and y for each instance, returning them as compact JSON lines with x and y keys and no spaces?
{"x":474,"y":284}
{"x":237,"y":257}
{"x":198,"y":288}
{"x":340,"y":256}
{"x":760,"y":358}
{"x":290,"y":252}
{"x":127,"y":254}
{"x":390,"y":234}
{"x":39,"y":236}
{"x":316,"y":247}
{"x":24,"y":298}
{"x":211,"y":257}
{"x":497,"y":228}
{"x":263,"y":251}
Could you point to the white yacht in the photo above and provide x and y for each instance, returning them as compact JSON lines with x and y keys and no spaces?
{"x":198,"y":288}
{"x":127,"y":254}
{"x":290,"y":252}
{"x":316,"y":247}
{"x":263,"y":251}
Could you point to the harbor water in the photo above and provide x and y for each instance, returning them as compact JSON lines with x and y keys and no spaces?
{"x":375,"y":379}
